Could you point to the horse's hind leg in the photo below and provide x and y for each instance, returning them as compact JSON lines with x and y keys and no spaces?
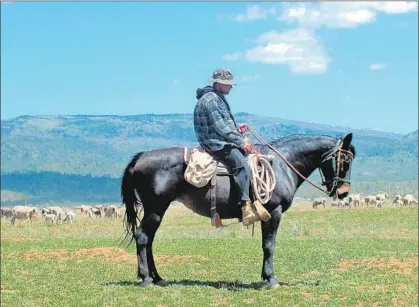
{"x":150,"y":258}
{"x":144,"y":237}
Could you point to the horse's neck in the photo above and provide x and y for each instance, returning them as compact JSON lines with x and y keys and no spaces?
{"x":304,"y":153}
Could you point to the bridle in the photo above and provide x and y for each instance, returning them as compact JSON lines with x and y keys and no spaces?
{"x":339,"y":157}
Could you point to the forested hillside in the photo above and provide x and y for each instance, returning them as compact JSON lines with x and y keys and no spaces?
{"x":85,"y":147}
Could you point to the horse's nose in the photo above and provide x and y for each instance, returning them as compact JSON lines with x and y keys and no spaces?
{"x":344,"y":188}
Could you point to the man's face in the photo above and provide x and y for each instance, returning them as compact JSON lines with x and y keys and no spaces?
{"x":224,"y":88}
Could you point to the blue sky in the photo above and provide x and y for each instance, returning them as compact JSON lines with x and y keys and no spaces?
{"x":347,"y":64}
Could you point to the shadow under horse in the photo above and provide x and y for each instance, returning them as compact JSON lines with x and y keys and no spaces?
{"x":157,"y":176}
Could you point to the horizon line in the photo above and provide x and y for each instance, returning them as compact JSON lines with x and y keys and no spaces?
{"x":191,"y":114}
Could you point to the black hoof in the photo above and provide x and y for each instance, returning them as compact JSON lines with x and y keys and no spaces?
{"x":146,"y":283}
{"x":271,"y":284}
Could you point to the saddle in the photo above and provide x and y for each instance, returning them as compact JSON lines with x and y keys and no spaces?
{"x":203,"y":168}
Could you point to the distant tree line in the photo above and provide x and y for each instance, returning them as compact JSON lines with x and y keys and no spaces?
{"x":44,"y":187}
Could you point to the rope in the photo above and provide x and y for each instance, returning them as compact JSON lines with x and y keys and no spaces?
{"x":263,"y":142}
{"x":263,"y":177}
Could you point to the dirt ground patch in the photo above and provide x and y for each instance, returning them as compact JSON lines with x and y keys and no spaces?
{"x":221,"y":300}
{"x":405,"y":266}
{"x":52,"y":255}
{"x":108,"y":254}
{"x":412,"y":237}
{"x":311,"y":274}
{"x":402,"y":301}
{"x":398,"y":233}
{"x":17,"y":239}
{"x":5,"y":289}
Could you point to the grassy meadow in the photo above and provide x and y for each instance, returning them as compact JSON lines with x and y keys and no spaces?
{"x":324,"y":257}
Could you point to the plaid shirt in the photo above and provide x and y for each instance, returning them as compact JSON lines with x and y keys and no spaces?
{"x":214,"y":124}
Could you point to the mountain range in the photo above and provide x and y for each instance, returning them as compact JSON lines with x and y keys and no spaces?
{"x":101,"y":145}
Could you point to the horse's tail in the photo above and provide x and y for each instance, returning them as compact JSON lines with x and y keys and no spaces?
{"x":129,"y":198}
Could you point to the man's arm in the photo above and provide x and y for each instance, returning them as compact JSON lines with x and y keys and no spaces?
{"x":222,"y":126}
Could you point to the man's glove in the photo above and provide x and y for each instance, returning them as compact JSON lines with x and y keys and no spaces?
{"x":248,"y":146}
{"x":243,"y":128}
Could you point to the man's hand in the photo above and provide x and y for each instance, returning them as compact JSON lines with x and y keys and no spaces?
{"x":248,"y":146}
{"x":243,"y":128}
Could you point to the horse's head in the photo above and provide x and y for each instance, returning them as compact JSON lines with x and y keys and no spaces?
{"x":335,"y":167}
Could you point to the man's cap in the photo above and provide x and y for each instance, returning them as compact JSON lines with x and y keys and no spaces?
{"x":223,"y":76}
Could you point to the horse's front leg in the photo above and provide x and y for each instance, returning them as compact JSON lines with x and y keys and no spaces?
{"x":269,"y":231}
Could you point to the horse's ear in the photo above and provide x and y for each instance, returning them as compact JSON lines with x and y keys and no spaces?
{"x":346,"y":140}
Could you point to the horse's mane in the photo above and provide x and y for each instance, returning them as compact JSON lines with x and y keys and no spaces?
{"x":299,"y":136}
{"x":303,"y":137}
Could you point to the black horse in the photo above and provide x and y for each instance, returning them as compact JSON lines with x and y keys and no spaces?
{"x":157,"y":176}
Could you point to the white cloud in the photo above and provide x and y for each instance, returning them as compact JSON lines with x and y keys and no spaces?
{"x":300,"y":49}
{"x":297,"y":12}
{"x":377,"y":66}
{"x":253,"y":12}
{"x":232,"y":56}
{"x":395,"y":7}
{"x":342,"y":14}
{"x":249,"y":78}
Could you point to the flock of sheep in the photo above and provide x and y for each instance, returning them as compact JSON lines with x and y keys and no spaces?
{"x":356,"y":200}
{"x":55,"y":215}
{"x":111,"y":211}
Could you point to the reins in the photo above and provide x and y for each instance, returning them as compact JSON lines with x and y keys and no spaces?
{"x":265,"y":143}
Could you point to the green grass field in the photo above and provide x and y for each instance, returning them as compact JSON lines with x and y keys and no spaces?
{"x":351,"y":257}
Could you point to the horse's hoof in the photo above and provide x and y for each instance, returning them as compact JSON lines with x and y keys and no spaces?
{"x":270,"y":285}
{"x":161,"y":283}
{"x":146,"y":283}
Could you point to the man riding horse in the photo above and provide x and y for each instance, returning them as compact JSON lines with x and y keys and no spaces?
{"x":218,"y":134}
{"x":155,"y":178}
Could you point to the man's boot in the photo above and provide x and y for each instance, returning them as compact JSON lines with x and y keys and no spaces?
{"x":248,"y":214}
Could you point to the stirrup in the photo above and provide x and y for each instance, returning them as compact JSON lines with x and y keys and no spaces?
{"x":263,"y":214}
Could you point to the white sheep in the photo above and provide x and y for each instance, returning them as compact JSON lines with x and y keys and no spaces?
{"x":50,"y":217}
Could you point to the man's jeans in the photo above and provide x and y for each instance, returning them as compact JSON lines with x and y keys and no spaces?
{"x":236,"y":161}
